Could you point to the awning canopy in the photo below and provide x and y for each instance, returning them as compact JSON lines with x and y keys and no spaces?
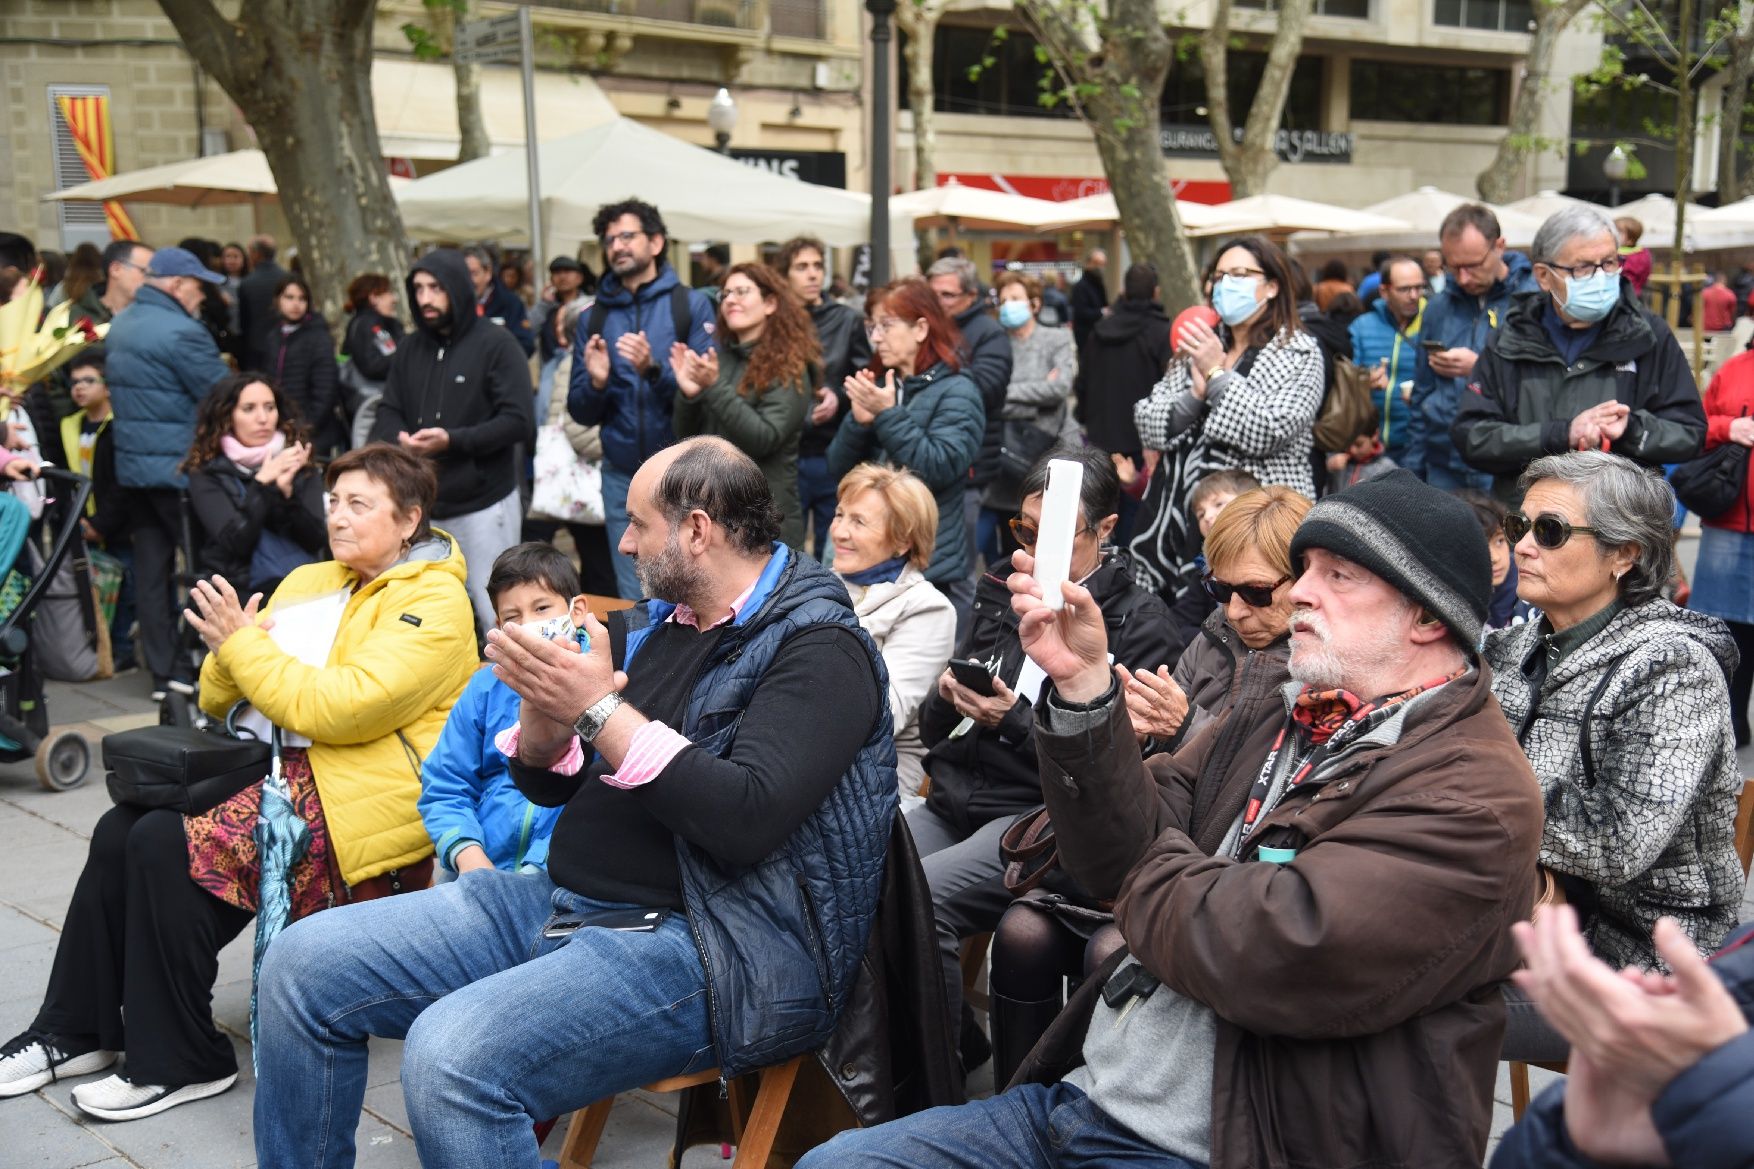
{"x":1282,"y":213}
{"x":1423,"y":211}
{"x":974,"y":208}
{"x":416,"y":104}
{"x":1094,"y":212}
{"x":238,"y":176}
{"x":703,"y":195}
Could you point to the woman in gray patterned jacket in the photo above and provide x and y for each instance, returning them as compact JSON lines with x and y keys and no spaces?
{"x":1621,"y":701}
{"x":1243,"y":396}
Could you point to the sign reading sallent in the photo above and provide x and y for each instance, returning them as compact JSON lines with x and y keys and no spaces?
{"x":1330,"y":146}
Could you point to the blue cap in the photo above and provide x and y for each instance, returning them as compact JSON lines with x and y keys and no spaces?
{"x":181,"y":262}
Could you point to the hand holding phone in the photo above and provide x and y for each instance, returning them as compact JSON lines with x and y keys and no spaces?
{"x":1058,"y":529}
{"x":973,"y":675}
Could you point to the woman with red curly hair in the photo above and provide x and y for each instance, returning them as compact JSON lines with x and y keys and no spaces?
{"x":914,"y":408}
{"x":754,"y":389}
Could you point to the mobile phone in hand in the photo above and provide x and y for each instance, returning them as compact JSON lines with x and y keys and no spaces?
{"x":972,"y":675}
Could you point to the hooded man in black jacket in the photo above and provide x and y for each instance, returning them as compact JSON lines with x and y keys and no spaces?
{"x":1578,"y":365}
{"x":1127,"y":354}
{"x":459,"y":393}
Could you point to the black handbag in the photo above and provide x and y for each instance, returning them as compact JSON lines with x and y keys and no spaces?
{"x":1711,"y":484}
{"x":1021,"y":446}
{"x":183,"y":769}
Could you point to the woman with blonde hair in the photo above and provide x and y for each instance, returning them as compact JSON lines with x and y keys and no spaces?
{"x":755,"y":388}
{"x":885,"y":526}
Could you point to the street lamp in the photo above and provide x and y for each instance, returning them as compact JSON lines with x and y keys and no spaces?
{"x":721,"y":115}
{"x":881,"y":11}
{"x":1615,"y":168}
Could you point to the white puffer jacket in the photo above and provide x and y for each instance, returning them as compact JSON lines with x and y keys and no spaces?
{"x":915,"y":628}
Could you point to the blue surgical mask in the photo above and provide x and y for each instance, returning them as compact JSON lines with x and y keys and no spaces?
{"x":1013,"y":314}
{"x":1233,"y":299}
{"x":1591,"y":298}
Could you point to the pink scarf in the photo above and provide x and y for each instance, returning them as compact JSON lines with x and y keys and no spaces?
{"x":251,"y":456}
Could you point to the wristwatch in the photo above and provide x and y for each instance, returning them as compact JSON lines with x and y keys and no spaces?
{"x":590,"y":724}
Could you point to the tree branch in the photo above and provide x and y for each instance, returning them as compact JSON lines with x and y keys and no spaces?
{"x":222,"y":48}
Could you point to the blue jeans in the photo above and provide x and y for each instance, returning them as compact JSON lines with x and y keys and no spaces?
{"x":615,"y":483}
{"x":817,"y":496}
{"x":503,"y":1025}
{"x":1035,"y":1126}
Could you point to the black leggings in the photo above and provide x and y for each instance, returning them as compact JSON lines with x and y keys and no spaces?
{"x":140,"y":932}
{"x":1742,"y":682}
{"x":1034,"y":952}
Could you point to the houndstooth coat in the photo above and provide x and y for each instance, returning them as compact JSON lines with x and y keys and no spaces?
{"x":1652,"y":827}
{"x":1259,"y":422}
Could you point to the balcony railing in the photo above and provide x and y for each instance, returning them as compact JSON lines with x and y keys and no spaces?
{"x":785,"y":18}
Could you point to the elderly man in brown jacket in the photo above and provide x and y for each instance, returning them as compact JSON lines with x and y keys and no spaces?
{"x":1316,"y":900}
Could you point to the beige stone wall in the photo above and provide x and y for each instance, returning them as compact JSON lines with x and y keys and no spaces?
{"x":152,"y":103}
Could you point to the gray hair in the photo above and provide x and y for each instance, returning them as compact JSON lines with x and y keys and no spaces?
{"x":962,"y":269}
{"x":1565,"y":225}
{"x":481,"y":255}
{"x":1627,"y":505}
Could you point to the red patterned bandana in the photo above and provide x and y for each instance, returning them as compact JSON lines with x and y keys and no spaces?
{"x":1322,"y":712}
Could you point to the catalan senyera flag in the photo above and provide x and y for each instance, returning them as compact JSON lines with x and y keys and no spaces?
{"x":89,"y":120}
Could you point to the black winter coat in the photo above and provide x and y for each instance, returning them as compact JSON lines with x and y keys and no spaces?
{"x":1525,"y":396}
{"x":232,"y":510}
{"x":363,"y":343}
{"x":1089,"y":297}
{"x":302,"y":364}
{"x":992,"y":772}
{"x":846,"y":346}
{"x":987,"y":351}
{"x":1128,"y":353}
{"x":473,"y":382}
{"x":256,"y":298}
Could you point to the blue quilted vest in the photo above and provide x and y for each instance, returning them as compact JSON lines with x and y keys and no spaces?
{"x":781,"y":940}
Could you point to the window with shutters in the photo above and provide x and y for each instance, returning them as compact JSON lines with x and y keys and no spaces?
{"x":81,"y":222}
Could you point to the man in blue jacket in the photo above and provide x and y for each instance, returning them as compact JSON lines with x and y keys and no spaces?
{"x":1661,"y":1067}
{"x":1453,"y":335}
{"x":162,"y":362}
{"x":1385,"y":341}
{"x":621,"y":377}
{"x":711,"y":882}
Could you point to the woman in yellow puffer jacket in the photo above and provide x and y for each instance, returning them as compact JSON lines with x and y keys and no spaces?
{"x":162,"y":893}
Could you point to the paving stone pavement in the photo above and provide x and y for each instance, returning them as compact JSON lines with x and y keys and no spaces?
{"x":43,"y":839}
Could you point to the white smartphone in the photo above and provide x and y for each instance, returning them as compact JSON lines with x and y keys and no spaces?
{"x":1059,"y":528}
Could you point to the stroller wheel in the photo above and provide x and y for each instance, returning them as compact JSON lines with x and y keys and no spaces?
{"x":63,"y":761}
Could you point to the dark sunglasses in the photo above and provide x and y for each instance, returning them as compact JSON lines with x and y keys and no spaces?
{"x":1254,"y":596}
{"x":1551,"y":531}
{"x":1026,"y":533}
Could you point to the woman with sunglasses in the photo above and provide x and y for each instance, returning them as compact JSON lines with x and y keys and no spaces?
{"x":1621,"y":703}
{"x":1243,"y":395}
{"x":981,"y":747}
{"x":1057,"y":932}
{"x":914,"y":408}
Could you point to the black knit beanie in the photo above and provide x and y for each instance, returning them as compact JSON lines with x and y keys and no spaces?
{"x":1424,"y":542}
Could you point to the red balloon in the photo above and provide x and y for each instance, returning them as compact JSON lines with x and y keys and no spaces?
{"x":1198,"y":312}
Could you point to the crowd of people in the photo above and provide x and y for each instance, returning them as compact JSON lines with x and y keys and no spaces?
{"x":1372,"y":650}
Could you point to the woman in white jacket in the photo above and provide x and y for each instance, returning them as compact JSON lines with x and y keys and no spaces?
{"x":885,"y":523}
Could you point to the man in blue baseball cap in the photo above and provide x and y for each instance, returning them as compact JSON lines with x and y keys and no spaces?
{"x":162,"y":362}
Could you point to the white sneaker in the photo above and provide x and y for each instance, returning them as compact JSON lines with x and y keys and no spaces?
{"x":36,"y":1058}
{"x":117,"y":1099}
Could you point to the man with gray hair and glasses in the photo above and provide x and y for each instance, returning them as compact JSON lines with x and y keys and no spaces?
{"x":1579,"y":364}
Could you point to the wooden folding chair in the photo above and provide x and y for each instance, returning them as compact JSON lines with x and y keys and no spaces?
{"x":753,"y":1125}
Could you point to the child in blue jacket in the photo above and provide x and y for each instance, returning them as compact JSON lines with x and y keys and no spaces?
{"x":475,"y":815}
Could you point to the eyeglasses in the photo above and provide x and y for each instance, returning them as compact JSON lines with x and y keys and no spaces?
{"x":884,"y":325}
{"x":1611,"y":266}
{"x":1551,"y":531}
{"x":1027,"y":533}
{"x":741,"y":292}
{"x":1253,"y":595}
{"x":1459,"y":268}
{"x":1409,"y":288}
{"x":1239,"y":273}
{"x":622,"y":237}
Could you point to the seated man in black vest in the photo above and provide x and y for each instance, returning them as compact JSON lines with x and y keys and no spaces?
{"x":700,"y":828}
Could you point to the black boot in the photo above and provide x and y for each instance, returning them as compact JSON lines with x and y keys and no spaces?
{"x":1017,"y":1026}
{"x":972,"y":1045}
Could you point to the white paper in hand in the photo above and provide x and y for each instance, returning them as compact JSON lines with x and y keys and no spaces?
{"x":305,"y":630}
{"x":1059,"y":528}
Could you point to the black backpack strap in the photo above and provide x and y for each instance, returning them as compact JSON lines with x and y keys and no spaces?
{"x":681,"y":315}
{"x":594,"y":322}
{"x":1583,"y":729}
